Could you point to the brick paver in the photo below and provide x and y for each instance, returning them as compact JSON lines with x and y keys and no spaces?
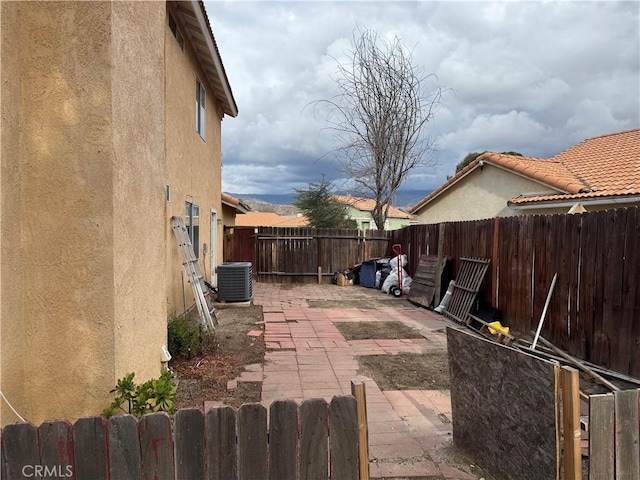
{"x":307,"y":357}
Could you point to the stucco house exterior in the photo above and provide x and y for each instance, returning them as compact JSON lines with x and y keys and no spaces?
{"x":111,"y":117}
{"x":599,"y":173}
{"x":359,"y":209}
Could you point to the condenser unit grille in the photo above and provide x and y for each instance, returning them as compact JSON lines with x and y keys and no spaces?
{"x":235,"y":282}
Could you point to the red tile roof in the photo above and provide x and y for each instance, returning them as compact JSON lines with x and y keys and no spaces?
{"x":604,"y":166}
{"x":270,"y":219}
{"x":235,"y":203}
{"x":367,"y":205}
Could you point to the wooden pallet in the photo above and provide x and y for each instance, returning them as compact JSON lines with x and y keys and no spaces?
{"x":423,"y":287}
{"x":470,"y":276}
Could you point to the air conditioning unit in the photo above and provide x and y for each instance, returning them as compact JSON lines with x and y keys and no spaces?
{"x":235,"y":282}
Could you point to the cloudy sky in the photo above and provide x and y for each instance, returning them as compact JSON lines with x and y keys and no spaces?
{"x":535,"y":77}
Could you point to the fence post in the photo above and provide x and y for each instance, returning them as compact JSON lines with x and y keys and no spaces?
{"x":571,"y":423}
{"x":438,"y":286}
{"x":359,"y":391}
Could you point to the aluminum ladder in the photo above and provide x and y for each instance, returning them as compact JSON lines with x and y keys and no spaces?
{"x":201,"y":292}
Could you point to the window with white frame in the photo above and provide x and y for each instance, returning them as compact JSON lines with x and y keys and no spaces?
{"x":192,"y":222}
{"x":200,"y":108}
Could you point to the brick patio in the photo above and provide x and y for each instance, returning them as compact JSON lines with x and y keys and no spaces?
{"x":307,"y":357}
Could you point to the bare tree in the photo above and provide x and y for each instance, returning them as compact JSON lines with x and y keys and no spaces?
{"x":379,"y":117}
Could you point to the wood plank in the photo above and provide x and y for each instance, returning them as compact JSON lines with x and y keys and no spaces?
{"x":188,"y":435}
{"x":601,"y":437}
{"x":55,"y":441}
{"x":156,"y":447}
{"x":19,"y":448}
{"x":571,"y":423}
{"x":252,"y":442}
{"x":283,"y":440}
{"x":221,"y":443}
{"x":90,"y":448}
{"x":343,"y":437}
{"x":124,"y":447}
{"x":627,"y":435}
{"x":314,"y":438}
{"x":359,"y":392}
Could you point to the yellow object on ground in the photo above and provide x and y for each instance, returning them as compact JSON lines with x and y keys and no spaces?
{"x":497,"y":328}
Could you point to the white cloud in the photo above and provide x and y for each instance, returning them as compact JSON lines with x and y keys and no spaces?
{"x":534,"y":77}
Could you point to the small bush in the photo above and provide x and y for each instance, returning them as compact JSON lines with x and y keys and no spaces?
{"x":155,"y":395}
{"x":184,"y":336}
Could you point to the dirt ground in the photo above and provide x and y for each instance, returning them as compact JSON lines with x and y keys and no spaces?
{"x":204,"y":378}
{"x":376,"y":330}
{"x":405,"y":371}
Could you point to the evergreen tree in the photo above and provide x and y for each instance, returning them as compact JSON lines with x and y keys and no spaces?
{"x":321,"y":208}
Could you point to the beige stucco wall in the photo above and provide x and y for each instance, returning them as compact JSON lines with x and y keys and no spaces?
{"x":82,"y":158}
{"x":193,"y":163}
{"x":483,"y":193}
{"x":139,"y":169}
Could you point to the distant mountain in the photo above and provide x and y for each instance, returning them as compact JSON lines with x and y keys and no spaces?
{"x":404,"y":199}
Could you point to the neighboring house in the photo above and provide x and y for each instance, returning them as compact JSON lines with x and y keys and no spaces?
{"x":359,"y":209}
{"x":111,"y":119}
{"x":231,"y":208}
{"x":599,"y":173}
{"x":270,"y":219}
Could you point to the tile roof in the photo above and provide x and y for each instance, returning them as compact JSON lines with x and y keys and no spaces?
{"x":604,"y":166}
{"x":367,"y":205}
{"x":235,"y":203}
{"x":270,"y":219}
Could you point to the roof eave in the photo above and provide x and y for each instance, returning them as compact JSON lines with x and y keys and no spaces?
{"x":568,"y":202}
{"x":194,"y":18}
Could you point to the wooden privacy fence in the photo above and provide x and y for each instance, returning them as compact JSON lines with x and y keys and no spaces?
{"x":300,"y":254}
{"x":595,"y":307}
{"x":311,"y":441}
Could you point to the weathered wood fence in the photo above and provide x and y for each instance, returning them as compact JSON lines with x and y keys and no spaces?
{"x":614,"y":435}
{"x":299,"y":254}
{"x":594,"y":312}
{"x":311,"y":441}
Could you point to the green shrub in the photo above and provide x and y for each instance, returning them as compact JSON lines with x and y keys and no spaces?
{"x":155,"y":395}
{"x":184,"y":336}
